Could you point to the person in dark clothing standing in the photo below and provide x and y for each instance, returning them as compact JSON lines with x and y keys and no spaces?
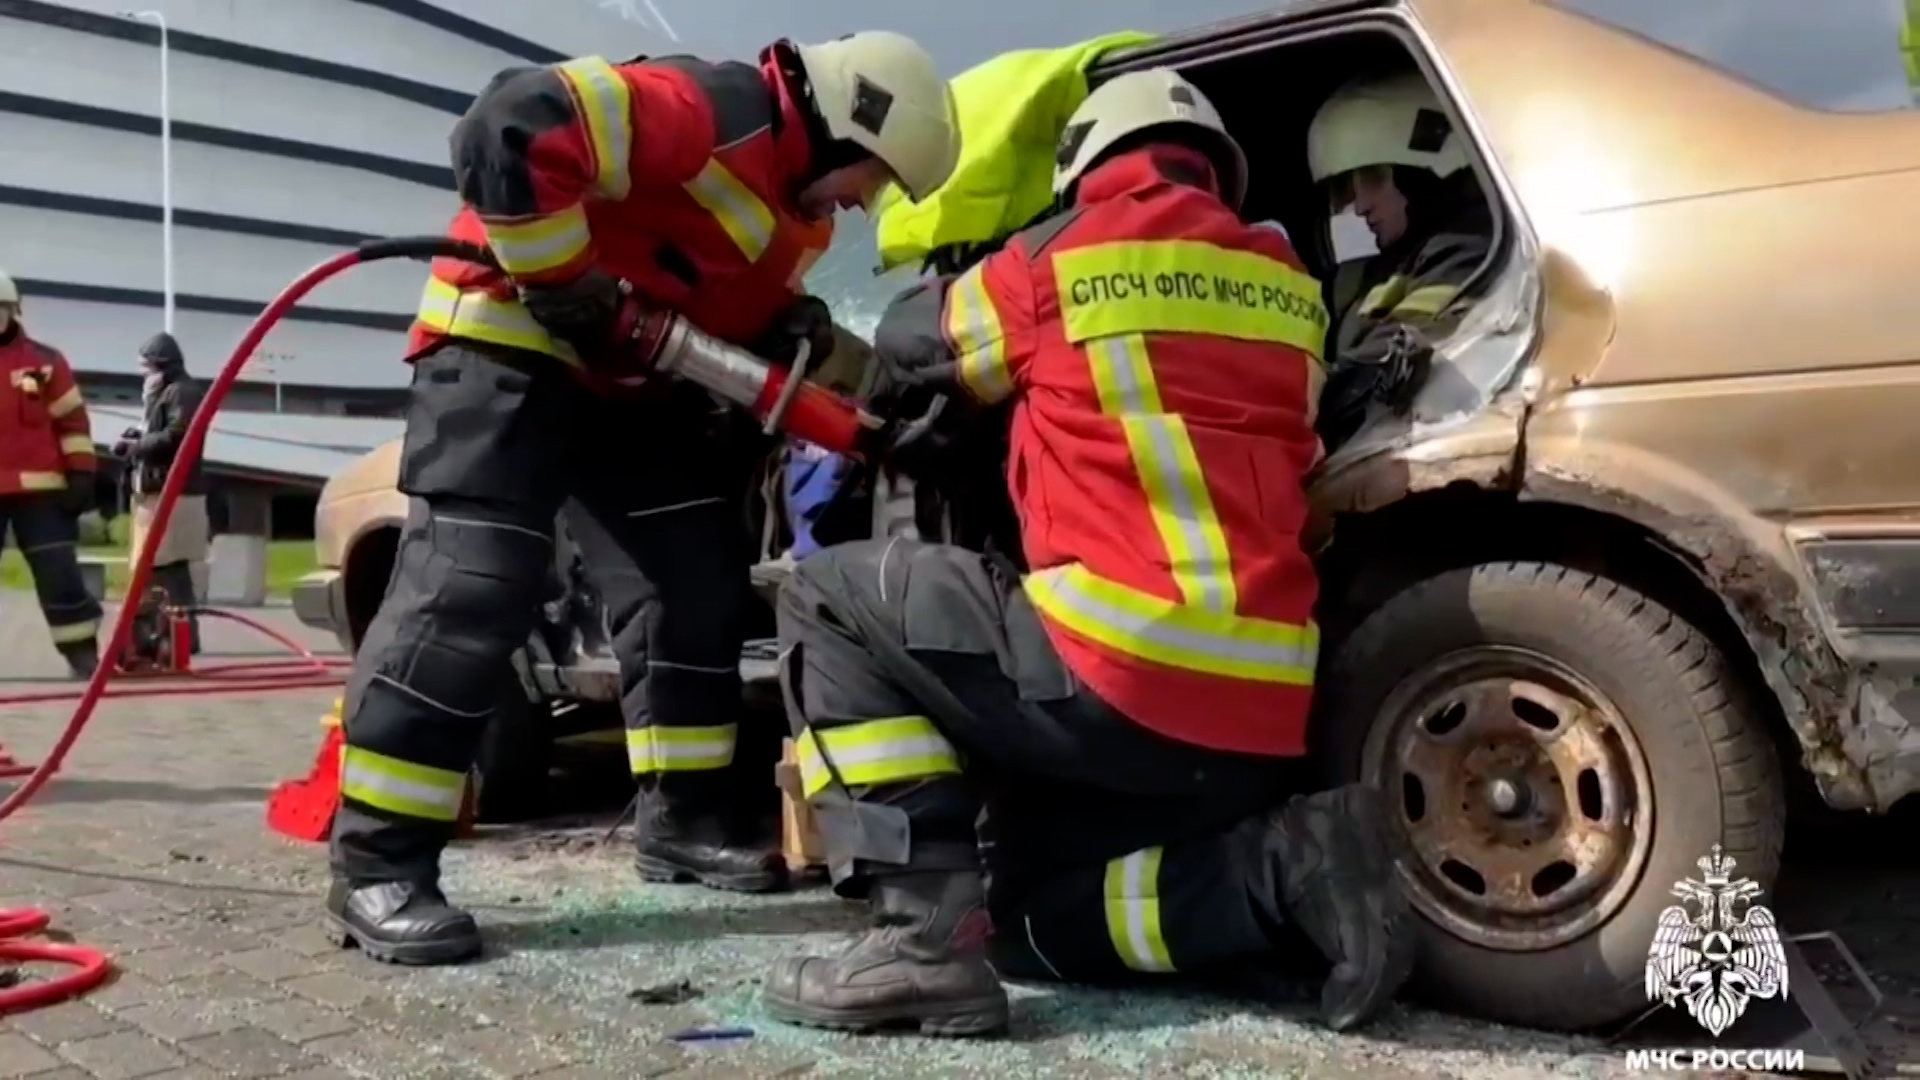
{"x":171,"y":398}
{"x":47,"y":468}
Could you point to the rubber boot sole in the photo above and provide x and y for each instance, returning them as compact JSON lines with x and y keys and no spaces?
{"x":1398,"y":931}
{"x":659,"y":871}
{"x":404,"y":953}
{"x":960,"y":1019}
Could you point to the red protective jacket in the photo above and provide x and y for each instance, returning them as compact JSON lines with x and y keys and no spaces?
{"x":1162,"y":359}
{"x":674,"y":174}
{"x":44,"y":431}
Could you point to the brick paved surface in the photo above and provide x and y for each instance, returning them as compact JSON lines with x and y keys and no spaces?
{"x":151,"y":845}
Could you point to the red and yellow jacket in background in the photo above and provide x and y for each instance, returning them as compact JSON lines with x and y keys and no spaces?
{"x":44,"y":430}
{"x":1162,"y":360}
{"x":675,"y":174}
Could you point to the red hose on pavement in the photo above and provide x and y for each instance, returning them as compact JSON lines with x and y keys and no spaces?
{"x":232,"y":678}
{"x":93,"y":964}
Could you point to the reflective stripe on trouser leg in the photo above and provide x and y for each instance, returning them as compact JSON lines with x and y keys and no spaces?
{"x":401,"y":788}
{"x":48,"y":537}
{"x":655,"y":749}
{"x":1132,"y":894}
{"x":1188,"y":908}
{"x":428,"y":675}
{"x":869,"y":753}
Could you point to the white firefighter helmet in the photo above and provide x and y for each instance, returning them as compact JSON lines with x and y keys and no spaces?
{"x":1391,"y":120}
{"x":9,"y":292}
{"x":881,"y":91}
{"x":1132,"y":103}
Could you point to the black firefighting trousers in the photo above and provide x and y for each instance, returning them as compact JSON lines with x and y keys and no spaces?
{"x":923,"y":690}
{"x":49,"y":534}
{"x":496,"y":441}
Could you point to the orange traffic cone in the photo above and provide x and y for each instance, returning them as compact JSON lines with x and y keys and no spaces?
{"x":303,"y":809}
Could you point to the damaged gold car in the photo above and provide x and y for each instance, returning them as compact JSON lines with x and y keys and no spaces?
{"x":1643,"y":549}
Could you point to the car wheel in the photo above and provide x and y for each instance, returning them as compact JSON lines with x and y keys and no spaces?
{"x":1561,"y":750}
{"x":514,"y":760}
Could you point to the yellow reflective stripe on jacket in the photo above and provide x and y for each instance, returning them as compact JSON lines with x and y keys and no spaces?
{"x":739,"y":211}
{"x":71,"y":633}
{"x":43,"y":481}
{"x":681,"y":749}
{"x":1169,"y":469}
{"x":978,"y":337}
{"x":1133,"y":911}
{"x":1177,"y":635}
{"x":475,"y":315}
{"x":527,"y":246}
{"x":889,"y":750}
{"x":606,"y":104}
{"x":65,"y":403}
{"x":1187,"y":286}
{"x":76,"y":444}
{"x":400,"y":787}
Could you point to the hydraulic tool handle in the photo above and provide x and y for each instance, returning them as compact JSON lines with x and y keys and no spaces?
{"x":814,"y":413}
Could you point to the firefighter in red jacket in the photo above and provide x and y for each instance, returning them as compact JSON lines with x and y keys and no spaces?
{"x":1127,"y":708}
{"x":610,"y":193}
{"x":47,"y":467}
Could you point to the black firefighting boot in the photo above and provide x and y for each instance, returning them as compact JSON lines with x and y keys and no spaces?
{"x":688,"y":832}
{"x":1329,"y":864}
{"x":922,"y":965}
{"x":400,"y":922}
{"x":82,"y":660}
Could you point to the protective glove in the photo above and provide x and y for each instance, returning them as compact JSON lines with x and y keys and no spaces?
{"x":614,"y":334}
{"x":807,"y":319}
{"x":917,"y":446}
{"x":123,"y":447}
{"x":80,"y":492}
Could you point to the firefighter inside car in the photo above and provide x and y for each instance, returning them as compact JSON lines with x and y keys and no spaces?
{"x":1161,"y":359}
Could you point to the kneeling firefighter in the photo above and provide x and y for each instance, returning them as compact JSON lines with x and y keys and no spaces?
{"x":1124,"y":713}
{"x":628,"y":204}
{"x":1384,"y":148}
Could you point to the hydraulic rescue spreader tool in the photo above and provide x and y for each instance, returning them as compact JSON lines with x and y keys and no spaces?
{"x":777,"y":396}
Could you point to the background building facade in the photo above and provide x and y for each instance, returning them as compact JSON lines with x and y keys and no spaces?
{"x":297,"y":127}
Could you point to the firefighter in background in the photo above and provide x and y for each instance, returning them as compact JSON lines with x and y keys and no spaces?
{"x":169,"y":398}
{"x":47,"y":469}
{"x":610,"y":193}
{"x":1128,"y":709}
{"x":1384,"y":148}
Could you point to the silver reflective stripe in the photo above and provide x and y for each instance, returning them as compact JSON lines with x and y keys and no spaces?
{"x":609,"y":120}
{"x":744,"y":217}
{"x":1150,"y":423}
{"x":1166,"y":632}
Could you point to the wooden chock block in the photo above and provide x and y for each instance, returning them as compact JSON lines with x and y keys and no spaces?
{"x":799,"y":838}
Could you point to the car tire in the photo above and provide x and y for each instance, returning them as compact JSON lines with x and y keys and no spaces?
{"x":1668,"y":711}
{"x":515,"y":757}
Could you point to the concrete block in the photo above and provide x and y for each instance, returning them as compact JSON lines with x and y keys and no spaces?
{"x":93,"y":572}
{"x":237,"y":573}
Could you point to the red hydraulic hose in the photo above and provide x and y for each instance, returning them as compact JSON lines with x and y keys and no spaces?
{"x":189,"y":456}
{"x":94,"y":966}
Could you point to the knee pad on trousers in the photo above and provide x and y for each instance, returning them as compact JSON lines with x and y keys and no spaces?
{"x":465,"y":596}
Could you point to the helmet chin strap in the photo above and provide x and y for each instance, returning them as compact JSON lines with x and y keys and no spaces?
{"x":824,"y":152}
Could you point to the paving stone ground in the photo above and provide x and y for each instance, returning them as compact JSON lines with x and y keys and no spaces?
{"x":151,"y":844}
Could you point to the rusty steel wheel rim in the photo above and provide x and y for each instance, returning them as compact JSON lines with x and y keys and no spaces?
{"x":1523,"y":798}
